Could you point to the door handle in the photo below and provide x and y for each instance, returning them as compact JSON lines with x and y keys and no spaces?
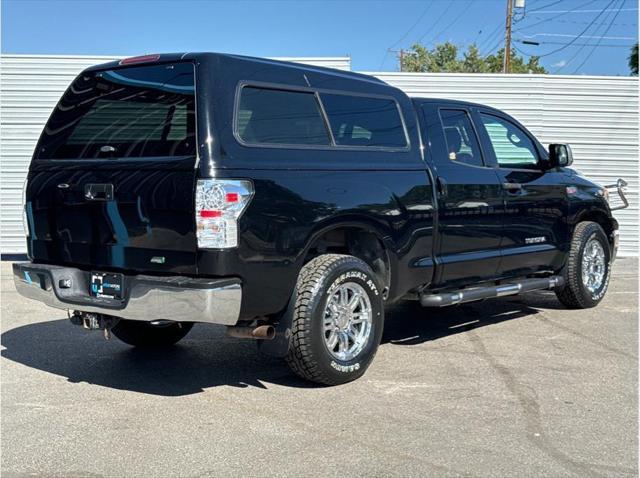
{"x":98,"y":192}
{"x":512,"y":187}
{"x":442,"y":186}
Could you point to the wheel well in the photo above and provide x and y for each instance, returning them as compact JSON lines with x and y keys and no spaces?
{"x":601,"y":218}
{"x":356,"y":242}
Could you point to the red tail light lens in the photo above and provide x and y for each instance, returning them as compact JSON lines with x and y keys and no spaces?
{"x":210,"y":213}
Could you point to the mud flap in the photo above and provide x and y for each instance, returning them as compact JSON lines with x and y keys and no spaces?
{"x":279,"y":346}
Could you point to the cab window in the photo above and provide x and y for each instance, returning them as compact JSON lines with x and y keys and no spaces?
{"x":512,"y":146}
{"x":462,"y":143}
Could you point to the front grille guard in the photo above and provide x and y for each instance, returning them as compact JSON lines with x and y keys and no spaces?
{"x":620,"y":187}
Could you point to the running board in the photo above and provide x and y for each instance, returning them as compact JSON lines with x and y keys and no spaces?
{"x":480,"y":293}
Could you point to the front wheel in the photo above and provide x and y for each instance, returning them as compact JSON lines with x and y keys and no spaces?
{"x":337,"y":320}
{"x":588,"y":267}
{"x":151,"y":334}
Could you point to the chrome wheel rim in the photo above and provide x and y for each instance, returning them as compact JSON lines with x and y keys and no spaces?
{"x":347,"y":321}
{"x":593,"y":265}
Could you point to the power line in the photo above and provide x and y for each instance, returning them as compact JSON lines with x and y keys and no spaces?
{"x":406,"y":33}
{"x":599,"y":41}
{"x":579,"y":50}
{"x":445,"y":11}
{"x":546,"y":6}
{"x":495,"y":47}
{"x":579,"y":35}
{"x":587,"y":11}
{"x":565,"y":35}
{"x":424,"y":12}
{"x":557,"y":16}
{"x":455,"y":20}
{"x":574,"y":22}
{"x":489,"y":40}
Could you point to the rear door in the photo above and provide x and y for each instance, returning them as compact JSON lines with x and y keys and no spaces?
{"x":534,"y":225}
{"x":111,"y":185}
{"x":470,"y":204}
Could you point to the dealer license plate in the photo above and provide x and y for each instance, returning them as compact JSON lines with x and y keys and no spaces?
{"x":106,"y":285}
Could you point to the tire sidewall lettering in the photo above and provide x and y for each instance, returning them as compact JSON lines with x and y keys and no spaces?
{"x":345,"y":276}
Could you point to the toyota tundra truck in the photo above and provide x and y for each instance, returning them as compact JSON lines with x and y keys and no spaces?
{"x":291,"y":204}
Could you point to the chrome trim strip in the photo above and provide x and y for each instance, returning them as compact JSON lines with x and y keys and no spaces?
{"x":148,"y":301}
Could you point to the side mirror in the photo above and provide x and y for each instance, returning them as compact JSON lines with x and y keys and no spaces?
{"x":560,"y":155}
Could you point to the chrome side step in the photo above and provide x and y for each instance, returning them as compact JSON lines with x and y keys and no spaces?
{"x":480,"y":293}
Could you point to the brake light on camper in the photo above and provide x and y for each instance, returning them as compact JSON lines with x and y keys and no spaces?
{"x":219,"y":205}
{"x":139,"y":59}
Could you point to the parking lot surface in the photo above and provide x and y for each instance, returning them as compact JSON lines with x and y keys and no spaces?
{"x":511,"y":387}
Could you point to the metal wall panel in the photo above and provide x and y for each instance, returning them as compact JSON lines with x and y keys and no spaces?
{"x":596,"y":115}
{"x":30,"y":87}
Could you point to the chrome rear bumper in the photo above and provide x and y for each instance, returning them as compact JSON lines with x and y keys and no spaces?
{"x":146,"y":298}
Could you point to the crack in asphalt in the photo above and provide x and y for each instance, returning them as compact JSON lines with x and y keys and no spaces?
{"x":545,"y":318}
{"x":528,"y":400}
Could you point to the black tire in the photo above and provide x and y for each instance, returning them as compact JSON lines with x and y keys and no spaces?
{"x":574,"y":294}
{"x":309,"y":355}
{"x":147,"y":335}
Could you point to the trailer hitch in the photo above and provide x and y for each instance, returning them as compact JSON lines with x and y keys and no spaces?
{"x":91,"y":321}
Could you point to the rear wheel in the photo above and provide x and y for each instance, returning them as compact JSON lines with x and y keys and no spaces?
{"x":338,"y":320}
{"x":588,"y":267}
{"x":151,"y":334}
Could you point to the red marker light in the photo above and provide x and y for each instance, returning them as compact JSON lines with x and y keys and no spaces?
{"x":210,"y":213}
{"x":232,"y":197}
{"x":139,"y":59}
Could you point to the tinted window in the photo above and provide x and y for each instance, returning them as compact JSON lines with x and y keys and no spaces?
{"x":280,"y":117}
{"x":130,"y":112}
{"x":363,"y":121}
{"x":462,"y":143}
{"x":512,"y":146}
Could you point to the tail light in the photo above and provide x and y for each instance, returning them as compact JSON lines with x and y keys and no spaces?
{"x":219,"y":205}
{"x":25,"y":218}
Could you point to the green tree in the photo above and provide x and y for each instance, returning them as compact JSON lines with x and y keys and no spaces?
{"x":518,"y":65}
{"x":445,"y":57}
{"x":473,"y":62}
{"x":633,"y":60}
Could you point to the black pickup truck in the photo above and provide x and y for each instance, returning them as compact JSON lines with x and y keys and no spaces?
{"x":290,"y":203}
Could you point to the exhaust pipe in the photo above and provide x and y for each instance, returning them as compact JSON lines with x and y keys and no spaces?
{"x":262,"y":332}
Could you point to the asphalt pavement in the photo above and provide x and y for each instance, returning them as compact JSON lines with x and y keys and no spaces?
{"x":510,"y":387}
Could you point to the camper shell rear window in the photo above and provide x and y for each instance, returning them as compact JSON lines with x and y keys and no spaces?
{"x":133,"y":112}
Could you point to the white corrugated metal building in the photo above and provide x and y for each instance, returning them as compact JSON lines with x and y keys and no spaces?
{"x":598,"y":116}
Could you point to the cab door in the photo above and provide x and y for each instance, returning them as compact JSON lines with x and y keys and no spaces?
{"x":534,"y":230}
{"x":469,"y":195}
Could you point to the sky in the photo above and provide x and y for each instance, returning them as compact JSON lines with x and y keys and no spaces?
{"x":363,"y":30}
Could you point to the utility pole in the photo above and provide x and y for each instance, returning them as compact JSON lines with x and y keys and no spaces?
{"x":507,"y":41}
{"x":400,"y":57}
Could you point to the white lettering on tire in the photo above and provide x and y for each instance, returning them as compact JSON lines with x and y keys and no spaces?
{"x":353,"y":274}
{"x":345,"y":368}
